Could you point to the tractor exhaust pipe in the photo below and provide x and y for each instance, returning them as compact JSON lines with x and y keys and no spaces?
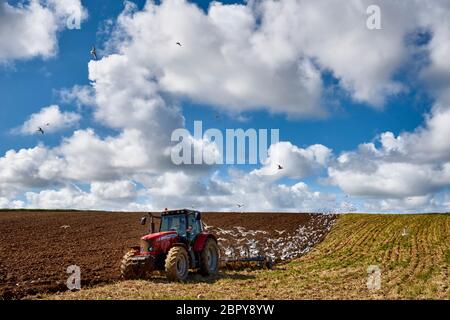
{"x":152,"y":224}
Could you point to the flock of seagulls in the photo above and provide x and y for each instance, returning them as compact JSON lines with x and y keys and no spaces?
{"x":279,"y":245}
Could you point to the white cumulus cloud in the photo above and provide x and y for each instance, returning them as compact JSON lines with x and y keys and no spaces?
{"x":29,"y":29}
{"x":295,"y":162}
{"x":50,"y":119}
{"x":411,"y":164}
{"x":261,"y":55}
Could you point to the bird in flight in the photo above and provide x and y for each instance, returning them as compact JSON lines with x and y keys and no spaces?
{"x":40,"y":130}
{"x":178,"y":43}
{"x":280,"y":167}
{"x":239,"y":205}
{"x":94,"y":52}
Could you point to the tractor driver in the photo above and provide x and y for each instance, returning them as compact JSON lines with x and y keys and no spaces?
{"x":178,"y":223}
{"x":194,"y":227}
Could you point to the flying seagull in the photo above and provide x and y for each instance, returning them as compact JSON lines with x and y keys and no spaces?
{"x":280,"y":167}
{"x":178,"y":44}
{"x":239,"y":205}
{"x":94,"y":52}
{"x":40,"y":130}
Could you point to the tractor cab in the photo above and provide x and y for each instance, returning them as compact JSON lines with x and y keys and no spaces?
{"x":186,"y":223}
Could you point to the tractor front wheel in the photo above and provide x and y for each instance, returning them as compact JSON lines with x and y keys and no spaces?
{"x":129,"y":269}
{"x":177,"y":264}
{"x":209,"y":258}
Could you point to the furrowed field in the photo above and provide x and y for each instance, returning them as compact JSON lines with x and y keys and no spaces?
{"x":36,"y":247}
{"x":412,"y":252}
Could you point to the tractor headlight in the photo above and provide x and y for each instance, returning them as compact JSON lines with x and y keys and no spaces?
{"x":146,"y":246}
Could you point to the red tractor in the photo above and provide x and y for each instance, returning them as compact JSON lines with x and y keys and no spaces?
{"x":181,"y":244}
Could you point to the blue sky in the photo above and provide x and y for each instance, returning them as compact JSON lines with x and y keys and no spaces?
{"x":29,"y":84}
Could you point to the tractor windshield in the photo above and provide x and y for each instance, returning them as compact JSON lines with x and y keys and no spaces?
{"x":174,"y":223}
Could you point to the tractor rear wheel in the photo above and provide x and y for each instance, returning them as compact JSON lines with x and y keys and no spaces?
{"x":209,"y":258}
{"x":129,"y":269}
{"x":177,"y":264}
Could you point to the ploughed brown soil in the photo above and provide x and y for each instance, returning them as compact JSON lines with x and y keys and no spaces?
{"x":36,"y":247}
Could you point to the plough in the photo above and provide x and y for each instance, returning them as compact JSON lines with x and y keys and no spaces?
{"x":259,"y":262}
